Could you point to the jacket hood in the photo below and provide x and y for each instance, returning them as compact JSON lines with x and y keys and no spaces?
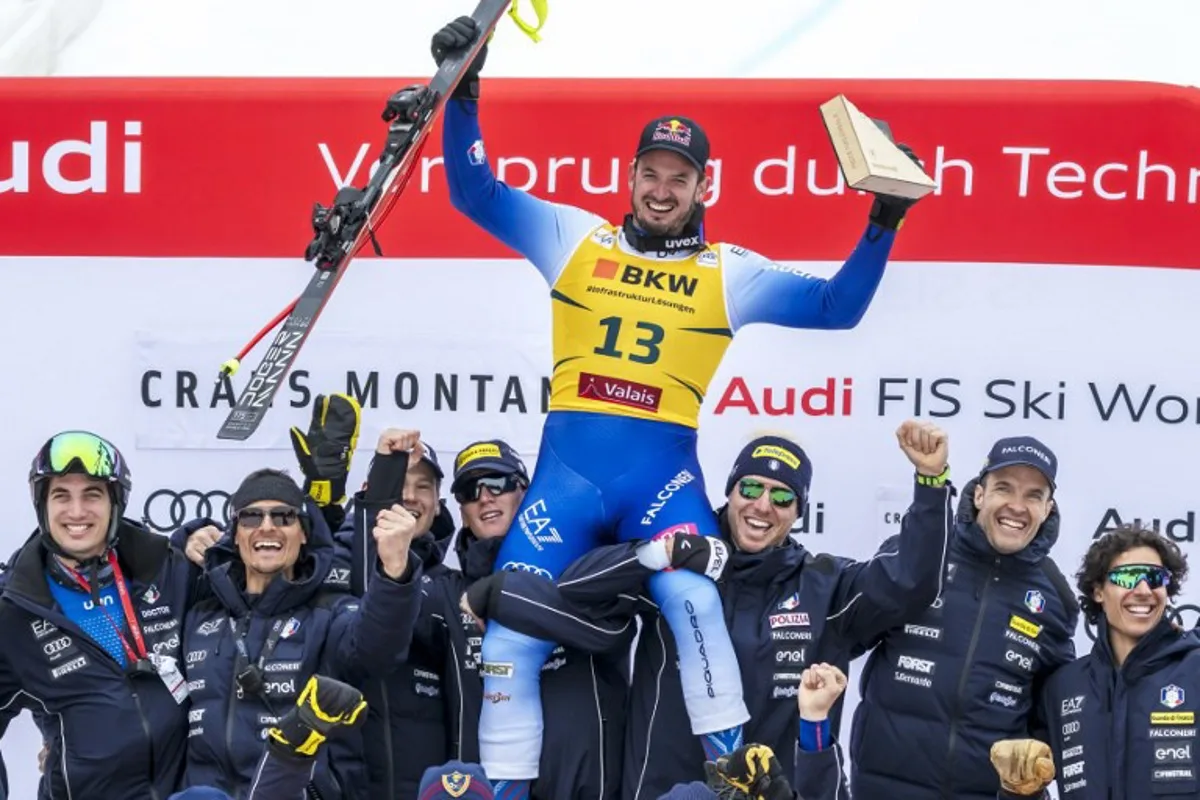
{"x":227,"y":574}
{"x":442,"y":530}
{"x":775,"y":565}
{"x":1164,"y":644}
{"x":968,"y":532}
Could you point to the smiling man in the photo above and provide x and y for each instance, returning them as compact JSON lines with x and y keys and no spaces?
{"x":90,"y":615}
{"x":786,"y":607}
{"x":937,"y":692}
{"x":270,"y":624}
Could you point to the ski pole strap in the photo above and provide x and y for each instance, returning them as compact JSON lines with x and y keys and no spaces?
{"x":540,"y":9}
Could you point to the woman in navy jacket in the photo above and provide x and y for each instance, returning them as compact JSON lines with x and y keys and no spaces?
{"x":1122,"y":719}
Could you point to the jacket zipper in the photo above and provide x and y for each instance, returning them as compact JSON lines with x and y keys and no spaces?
{"x":137,"y":701}
{"x":387,"y":738}
{"x":458,"y":667}
{"x":230,"y":707}
{"x":992,"y":576}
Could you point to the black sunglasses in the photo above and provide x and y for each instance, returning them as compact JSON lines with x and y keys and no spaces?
{"x":281,"y":516}
{"x":496,"y":485}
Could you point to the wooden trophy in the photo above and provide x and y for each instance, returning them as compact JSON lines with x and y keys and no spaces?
{"x":868,"y":156}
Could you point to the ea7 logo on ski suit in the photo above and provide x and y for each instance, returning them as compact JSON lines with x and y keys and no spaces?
{"x":536,"y":525}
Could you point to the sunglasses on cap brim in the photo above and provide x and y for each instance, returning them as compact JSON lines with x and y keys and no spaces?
{"x":1128,"y":576}
{"x":779,"y":496}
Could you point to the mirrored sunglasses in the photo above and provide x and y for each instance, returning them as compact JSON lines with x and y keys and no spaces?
{"x":752,"y":490}
{"x":1128,"y":576}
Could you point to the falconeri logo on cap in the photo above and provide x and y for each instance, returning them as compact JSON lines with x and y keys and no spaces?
{"x":477,"y":452}
{"x":1024,"y":449}
{"x":672,"y":131}
{"x":771,"y":451}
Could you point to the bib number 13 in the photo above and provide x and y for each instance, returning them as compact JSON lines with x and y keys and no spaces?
{"x":647,"y":343}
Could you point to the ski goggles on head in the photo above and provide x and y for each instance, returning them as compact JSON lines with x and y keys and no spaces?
{"x":495,"y":485}
{"x":752,"y":490}
{"x":1128,"y":576}
{"x":281,"y":516}
{"x":79,"y":451}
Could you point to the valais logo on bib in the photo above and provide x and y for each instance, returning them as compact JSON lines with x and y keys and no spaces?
{"x":620,"y":392}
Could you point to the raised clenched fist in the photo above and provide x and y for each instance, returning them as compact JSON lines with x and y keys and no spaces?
{"x":820,"y":687}
{"x":926,"y":445}
{"x":393,"y":532}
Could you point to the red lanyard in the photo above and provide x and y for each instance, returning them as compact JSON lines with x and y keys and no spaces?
{"x":126,"y":606}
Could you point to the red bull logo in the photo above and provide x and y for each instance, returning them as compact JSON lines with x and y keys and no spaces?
{"x":673,"y":131}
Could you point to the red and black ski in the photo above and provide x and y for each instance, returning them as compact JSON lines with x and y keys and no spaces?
{"x":345,"y":227}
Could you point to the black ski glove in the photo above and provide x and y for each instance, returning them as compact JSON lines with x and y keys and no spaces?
{"x":452,"y":38}
{"x":324,"y":704}
{"x":753,"y":771}
{"x":704,"y":555}
{"x":324,"y":453}
{"x":888,"y":211}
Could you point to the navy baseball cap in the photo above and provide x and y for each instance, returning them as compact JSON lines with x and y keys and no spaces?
{"x":679,"y":135}
{"x":430,"y":457}
{"x":773,"y":457}
{"x":1023,"y":450}
{"x":493,"y":455}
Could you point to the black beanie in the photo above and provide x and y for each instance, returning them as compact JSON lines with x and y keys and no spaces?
{"x":267,"y":484}
{"x":773,"y":457}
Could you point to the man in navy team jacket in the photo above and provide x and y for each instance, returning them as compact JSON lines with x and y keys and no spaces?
{"x":269,"y":626}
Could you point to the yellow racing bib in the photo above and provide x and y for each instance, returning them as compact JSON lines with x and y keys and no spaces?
{"x":636,"y":336}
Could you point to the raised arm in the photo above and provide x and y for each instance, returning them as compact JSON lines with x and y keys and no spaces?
{"x":546,"y":233}
{"x":372,"y":635}
{"x":905,"y":575}
{"x":759,"y":290}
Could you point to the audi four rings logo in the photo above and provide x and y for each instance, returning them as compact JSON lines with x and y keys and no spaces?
{"x":167,"y":509}
{"x":1185,"y":616}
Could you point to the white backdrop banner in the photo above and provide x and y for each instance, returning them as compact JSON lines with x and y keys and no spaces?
{"x":1088,"y":359}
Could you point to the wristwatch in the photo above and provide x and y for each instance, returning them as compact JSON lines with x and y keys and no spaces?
{"x":936,"y":481}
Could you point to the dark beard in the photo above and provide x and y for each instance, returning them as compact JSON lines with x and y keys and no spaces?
{"x":661,"y":230}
